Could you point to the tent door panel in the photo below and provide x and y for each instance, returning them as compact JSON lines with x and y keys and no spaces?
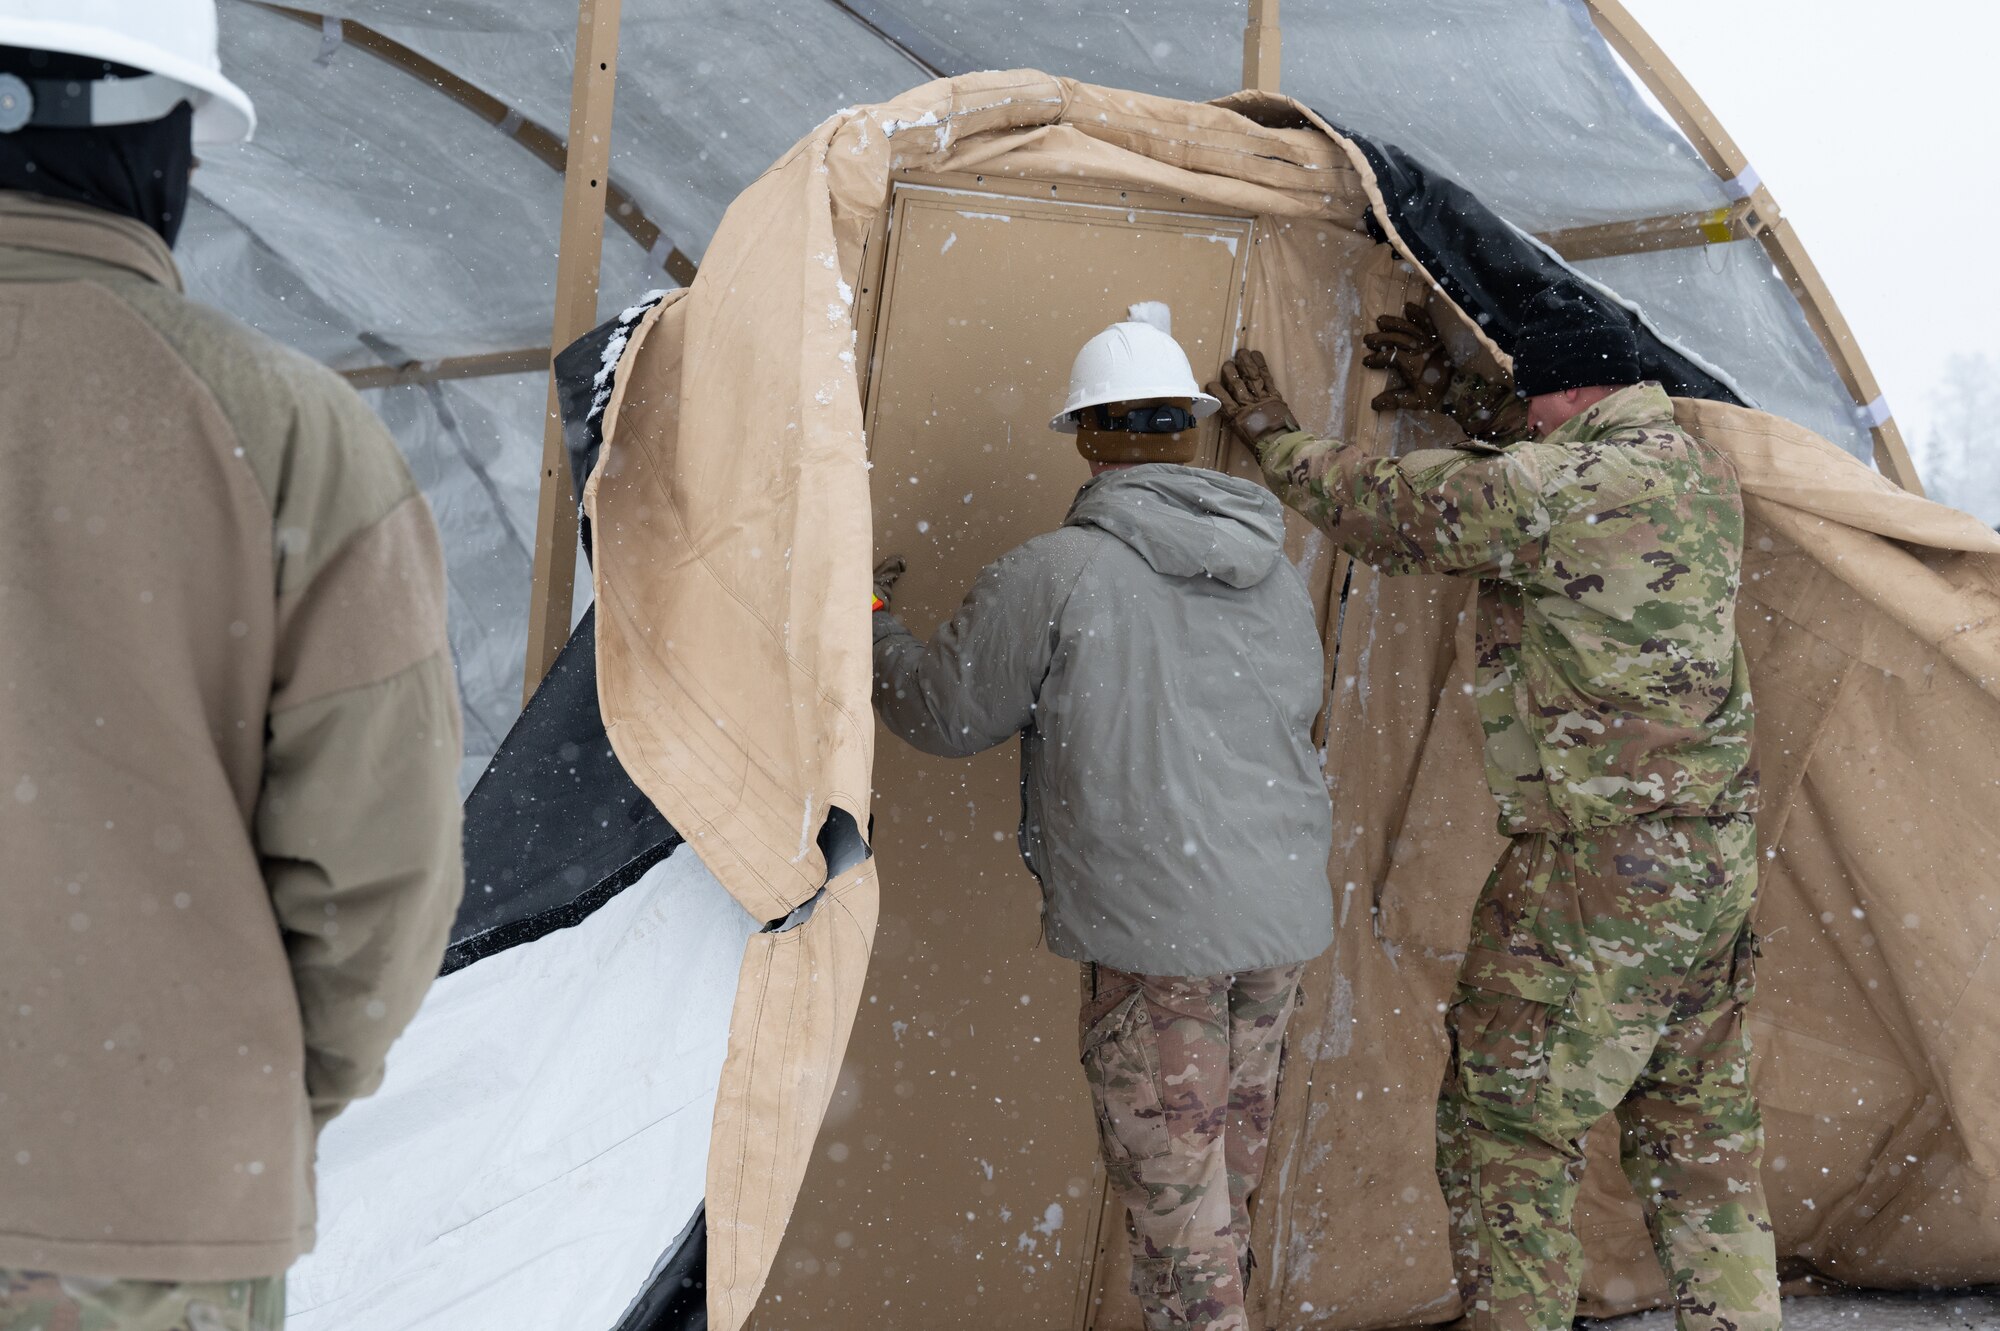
{"x":953,"y":1182}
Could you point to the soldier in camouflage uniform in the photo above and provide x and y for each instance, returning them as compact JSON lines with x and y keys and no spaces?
{"x":37,"y":1301}
{"x":1611,"y":951}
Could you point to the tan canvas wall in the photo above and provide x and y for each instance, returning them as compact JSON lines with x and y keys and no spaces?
{"x":735,"y":534}
{"x":799,"y":988}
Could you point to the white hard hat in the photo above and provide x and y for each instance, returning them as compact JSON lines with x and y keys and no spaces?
{"x":1134,"y":361}
{"x":174,"y":41}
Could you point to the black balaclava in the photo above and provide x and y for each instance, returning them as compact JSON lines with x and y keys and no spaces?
{"x":136,"y":171}
{"x":1568,"y":341}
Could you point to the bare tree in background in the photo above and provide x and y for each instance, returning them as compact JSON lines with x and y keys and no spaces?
{"x":1962,"y":462}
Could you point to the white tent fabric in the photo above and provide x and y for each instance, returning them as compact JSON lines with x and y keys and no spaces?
{"x":374,"y":220}
{"x":419,"y":230}
{"x":709,"y":94}
{"x":542,"y":1134}
{"x":1730,"y":305}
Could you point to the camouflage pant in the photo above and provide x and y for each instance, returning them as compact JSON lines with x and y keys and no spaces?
{"x":38,"y":1301}
{"x":1608,"y":973}
{"x":1183,"y":1073}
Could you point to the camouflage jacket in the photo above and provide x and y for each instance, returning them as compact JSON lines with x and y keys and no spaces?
{"x":1610,"y":682}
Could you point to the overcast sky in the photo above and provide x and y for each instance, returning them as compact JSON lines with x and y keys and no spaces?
{"x":1877,"y":128}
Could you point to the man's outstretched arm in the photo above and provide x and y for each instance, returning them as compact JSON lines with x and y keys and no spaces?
{"x":1436,"y":511}
{"x":975,"y":683}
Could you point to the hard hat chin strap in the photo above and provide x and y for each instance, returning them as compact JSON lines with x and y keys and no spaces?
{"x":1164,"y":418}
{"x":86,"y":104}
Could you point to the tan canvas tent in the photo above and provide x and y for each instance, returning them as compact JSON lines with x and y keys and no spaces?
{"x":430,"y":177}
{"x":878,"y":323}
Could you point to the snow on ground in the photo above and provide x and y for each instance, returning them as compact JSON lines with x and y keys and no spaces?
{"x":1971,"y":1310}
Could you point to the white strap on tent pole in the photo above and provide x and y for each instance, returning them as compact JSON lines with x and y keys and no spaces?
{"x":1706,"y":366}
{"x":1645,"y":58}
{"x":1744,"y":183}
{"x":1877,"y":413}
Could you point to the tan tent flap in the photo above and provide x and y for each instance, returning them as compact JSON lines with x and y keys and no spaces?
{"x":732,"y":668}
{"x":795,"y":1006}
{"x":798,"y":988}
{"x":734,"y":537}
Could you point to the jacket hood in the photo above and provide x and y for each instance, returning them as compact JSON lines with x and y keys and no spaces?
{"x":1187,"y":521}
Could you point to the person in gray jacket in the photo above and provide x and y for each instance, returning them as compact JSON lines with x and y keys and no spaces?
{"x":1158,"y":657}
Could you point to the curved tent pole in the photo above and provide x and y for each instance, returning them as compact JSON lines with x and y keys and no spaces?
{"x":543,"y":142}
{"x":1762,"y":218}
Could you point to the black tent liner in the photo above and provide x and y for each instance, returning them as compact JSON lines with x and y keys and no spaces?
{"x":676,"y":1296}
{"x":555,"y":828}
{"x":1492,"y":271}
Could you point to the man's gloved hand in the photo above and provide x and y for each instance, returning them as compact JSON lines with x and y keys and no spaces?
{"x":1419,"y":367}
{"x":886,"y":574}
{"x":1250,"y":403}
{"x":1423,"y":378}
{"x":1486,"y":409}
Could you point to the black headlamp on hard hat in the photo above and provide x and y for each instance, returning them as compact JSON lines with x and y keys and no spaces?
{"x":84,"y":104}
{"x":1162,"y":418}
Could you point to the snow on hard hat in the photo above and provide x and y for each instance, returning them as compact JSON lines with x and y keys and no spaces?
{"x":174,"y":41}
{"x":1134,"y":361}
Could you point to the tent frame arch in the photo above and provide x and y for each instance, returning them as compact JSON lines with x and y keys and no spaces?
{"x":1757,"y":216}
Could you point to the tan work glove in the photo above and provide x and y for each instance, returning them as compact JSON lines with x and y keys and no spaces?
{"x":1486,"y":409}
{"x":1419,"y":367}
{"x":1251,"y":406}
{"x":1423,"y":378}
{"x":886,"y":574}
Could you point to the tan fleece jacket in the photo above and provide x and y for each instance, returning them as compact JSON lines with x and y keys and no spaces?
{"x":229,"y":736}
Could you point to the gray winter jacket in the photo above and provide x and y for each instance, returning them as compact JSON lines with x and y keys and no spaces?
{"x":1158,"y":657}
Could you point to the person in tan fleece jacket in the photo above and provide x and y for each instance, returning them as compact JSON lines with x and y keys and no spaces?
{"x":229,"y":740}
